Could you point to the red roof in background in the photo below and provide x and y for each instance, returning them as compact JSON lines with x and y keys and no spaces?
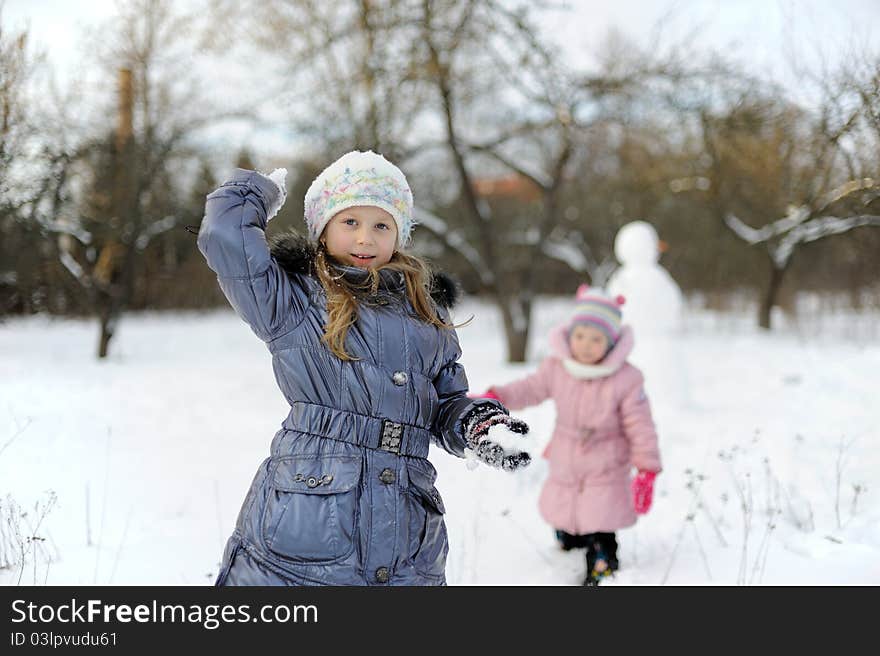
{"x":511,"y":186}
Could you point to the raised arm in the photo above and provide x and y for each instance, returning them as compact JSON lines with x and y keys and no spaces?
{"x":232,"y":239}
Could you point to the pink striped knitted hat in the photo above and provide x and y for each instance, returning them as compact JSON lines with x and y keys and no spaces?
{"x":594,"y":307}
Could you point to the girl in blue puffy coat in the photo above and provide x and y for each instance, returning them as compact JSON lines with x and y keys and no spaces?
{"x":365,"y":354}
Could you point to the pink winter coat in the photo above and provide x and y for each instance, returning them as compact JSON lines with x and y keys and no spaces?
{"x":603,"y":429}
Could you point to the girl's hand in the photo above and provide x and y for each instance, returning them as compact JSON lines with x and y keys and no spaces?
{"x":494,"y":438}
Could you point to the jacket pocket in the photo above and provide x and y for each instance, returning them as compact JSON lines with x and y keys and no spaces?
{"x":428,"y":542}
{"x":311,"y":508}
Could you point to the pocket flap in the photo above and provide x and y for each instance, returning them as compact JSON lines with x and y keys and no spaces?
{"x":422,"y":484}
{"x":316,"y":474}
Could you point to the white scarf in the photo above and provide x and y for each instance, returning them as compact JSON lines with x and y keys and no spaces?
{"x":587,"y":371}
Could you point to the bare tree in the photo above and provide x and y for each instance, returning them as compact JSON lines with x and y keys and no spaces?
{"x":341,"y":68}
{"x":801,"y":175}
{"x":18,"y":66}
{"x":540,"y":119}
{"x":801,"y":225}
{"x":121,"y":188}
{"x":473,"y":54}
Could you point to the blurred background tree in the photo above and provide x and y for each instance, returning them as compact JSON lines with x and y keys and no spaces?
{"x":523,"y":166}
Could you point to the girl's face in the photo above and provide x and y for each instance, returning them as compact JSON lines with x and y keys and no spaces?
{"x":361,"y":236}
{"x":587,"y":344}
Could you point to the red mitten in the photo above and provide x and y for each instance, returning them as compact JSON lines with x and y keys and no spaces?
{"x":488,"y":394}
{"x":643,"y":491}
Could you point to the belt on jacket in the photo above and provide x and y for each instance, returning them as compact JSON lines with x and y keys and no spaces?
{"x":363,"y":430}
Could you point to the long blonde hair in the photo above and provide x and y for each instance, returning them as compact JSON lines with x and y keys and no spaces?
{"x":342,"y":295}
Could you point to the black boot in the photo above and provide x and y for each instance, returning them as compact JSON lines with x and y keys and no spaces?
{"x":568,"y":541}
{"x":601,"y":557}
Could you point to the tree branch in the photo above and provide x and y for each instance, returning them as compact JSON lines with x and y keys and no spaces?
{"x":456,"y":242}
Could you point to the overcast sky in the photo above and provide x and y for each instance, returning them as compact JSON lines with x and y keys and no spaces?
{"x":758,"y":29}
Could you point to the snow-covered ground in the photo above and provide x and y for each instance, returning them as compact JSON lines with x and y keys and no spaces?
{"x":772,"y":463}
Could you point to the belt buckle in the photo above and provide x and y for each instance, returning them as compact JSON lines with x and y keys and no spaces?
{"x":392,"y":434}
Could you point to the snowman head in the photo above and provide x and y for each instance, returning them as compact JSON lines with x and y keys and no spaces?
{"x":637,"y":244}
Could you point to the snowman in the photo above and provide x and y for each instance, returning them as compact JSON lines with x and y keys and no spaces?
{"x":653,"y":310}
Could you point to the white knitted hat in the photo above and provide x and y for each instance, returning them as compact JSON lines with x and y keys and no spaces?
{"x":360,"y":178}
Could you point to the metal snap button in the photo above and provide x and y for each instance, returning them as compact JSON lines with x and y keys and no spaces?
{"x":400,"y":378}
{"x":387,"y":476}
{"x":311,"y":481}
{"x":382,"y":575}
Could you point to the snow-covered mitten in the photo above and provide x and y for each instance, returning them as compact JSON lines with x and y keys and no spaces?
{"x":277,"y":176}
{"x":643,"y":491}
{"x":495,"y":438}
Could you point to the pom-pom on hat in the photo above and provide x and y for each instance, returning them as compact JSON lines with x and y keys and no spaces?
{"x":594,"y":307}
{"x":360,"y":178}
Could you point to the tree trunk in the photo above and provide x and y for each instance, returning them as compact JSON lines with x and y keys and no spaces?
{"x":108,"y":324}
{"x":516,"y":313}
{"x":119,"y":266}
{"x":770,"y":294}
{"x":106,"y":336}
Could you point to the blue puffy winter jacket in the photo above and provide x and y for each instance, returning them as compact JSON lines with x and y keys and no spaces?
{"x":347,"y":495}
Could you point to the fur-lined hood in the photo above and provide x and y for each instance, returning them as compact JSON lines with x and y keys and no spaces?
{"x":295,"y":254}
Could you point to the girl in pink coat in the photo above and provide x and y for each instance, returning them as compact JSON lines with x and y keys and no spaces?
{"x":603,"y":429}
